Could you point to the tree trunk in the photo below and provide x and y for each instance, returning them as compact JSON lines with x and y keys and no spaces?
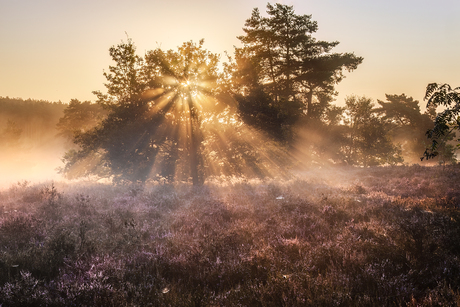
{"x":195,"y":143}
{"x":309,"y":103}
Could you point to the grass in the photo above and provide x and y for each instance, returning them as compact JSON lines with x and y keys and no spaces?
{"x":345,"y":237}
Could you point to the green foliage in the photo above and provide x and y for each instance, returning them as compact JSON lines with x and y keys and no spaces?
{"x":447,"y":121}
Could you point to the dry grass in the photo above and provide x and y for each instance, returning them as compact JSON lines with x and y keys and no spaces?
{"x":345,"y":237}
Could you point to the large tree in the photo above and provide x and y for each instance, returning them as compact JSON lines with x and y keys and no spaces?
{"x":154,"y":116}
{"x":282,"y":59}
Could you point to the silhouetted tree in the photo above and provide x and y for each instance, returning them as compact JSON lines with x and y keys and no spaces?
{"x":259,"y":110}
{"x":281,"y":59}
{"x":79,"y":117}
{"x":155,"y":108}
{"x":321,"y":137}
{"x":446,"y":122}
{"x":367,"y":139}
{"x":191,"y":73}
{"x":406,"y":124}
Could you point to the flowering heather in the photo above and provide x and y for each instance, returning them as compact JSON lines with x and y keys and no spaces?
{"x":387,"y":236}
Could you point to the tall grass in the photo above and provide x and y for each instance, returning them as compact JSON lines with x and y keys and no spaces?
{"x":350,"y":237}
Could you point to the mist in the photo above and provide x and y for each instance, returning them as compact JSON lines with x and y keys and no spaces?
{"x":30,"y":147}
{"x":34,"y":165}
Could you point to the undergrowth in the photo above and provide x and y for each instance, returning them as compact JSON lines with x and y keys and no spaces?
{"x":361,"y":237}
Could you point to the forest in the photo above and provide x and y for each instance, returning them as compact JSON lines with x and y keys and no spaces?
{"x":201,"y":180}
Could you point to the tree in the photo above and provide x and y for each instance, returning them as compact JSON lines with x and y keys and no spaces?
{"x":79,"y":117}
{"x":322,"y":136}
{"x":447,"y":121}
{"x":35,"y":118}
{"x":406,"y":124}
{"x":190,"y":72}
{"x":258,"y":110}
{"x":155,"y":108}
{"x":367,"y":140}
{"x":280,"y":58}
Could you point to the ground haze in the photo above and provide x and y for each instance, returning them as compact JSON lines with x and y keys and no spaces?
{"x":369,"y":237}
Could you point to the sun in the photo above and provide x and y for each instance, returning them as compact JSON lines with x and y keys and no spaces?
{"x":185,"y":84}
{"x":188,"y":89}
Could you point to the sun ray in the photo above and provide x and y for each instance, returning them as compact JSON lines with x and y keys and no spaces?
{"x":182,"y":128}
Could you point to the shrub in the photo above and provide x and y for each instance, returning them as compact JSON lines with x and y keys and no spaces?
{"x":366,"y":237}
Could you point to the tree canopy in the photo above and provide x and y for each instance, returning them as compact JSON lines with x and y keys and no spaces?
{"x":283,"y":67}
{"x":35,"y":119}
{"x":367,"y":140}
{"x":153,"y":114}
{"x":79,"y":117}
{"x":10,"y":136}
{"x":406,"y":124}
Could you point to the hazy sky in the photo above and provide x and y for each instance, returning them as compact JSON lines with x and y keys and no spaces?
{"x":58,"y":49}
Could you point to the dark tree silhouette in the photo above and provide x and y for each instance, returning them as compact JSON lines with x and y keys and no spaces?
{"x":154,"y":116}
{"x":282,"y":59}
{"x":406,"y":124}
{"x":367,"y":139}
{"x":447,"y":121}
{"x":168,"y":115}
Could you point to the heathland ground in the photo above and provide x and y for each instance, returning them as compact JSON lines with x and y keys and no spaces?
{"x":339,"y":237}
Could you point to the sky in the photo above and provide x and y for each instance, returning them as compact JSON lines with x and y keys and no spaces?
{"x":57,"y":50}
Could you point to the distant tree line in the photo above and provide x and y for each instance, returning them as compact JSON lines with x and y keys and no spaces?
{"x":28,"y":123}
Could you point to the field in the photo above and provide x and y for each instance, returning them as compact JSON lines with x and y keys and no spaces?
{"x":387,"y":236}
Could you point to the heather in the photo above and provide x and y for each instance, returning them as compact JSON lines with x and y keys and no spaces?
{"x":380,"y":236}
